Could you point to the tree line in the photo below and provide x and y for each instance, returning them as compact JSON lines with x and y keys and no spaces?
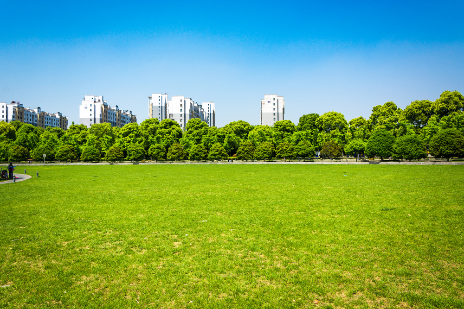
{"x":390,"y":132}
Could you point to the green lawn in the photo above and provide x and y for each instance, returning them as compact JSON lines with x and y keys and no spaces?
{"x":222,"y":236}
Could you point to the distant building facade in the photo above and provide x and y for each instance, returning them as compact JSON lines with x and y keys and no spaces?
{"x":16,"y":111}
{"x":180,"y":109}
{"x":272,"y":109}
{"x":94,"y":109}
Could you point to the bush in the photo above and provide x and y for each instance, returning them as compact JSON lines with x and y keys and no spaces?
{"x":90,"y":153}
{"x":176,"y":152}
{"x":285,"y":150}
{"x":264,"y":151}
{"x":217,"y":152}
{"x":115,"y":153}
{"x":447,"y":143}
{"x":18,"y":153}
{"x":197,"y":153}
{"x":157,"y":152}
{"x":66,"y":153}
{"x":245,"y":151}
{"x":304,"y":149}
{"x":135,"y":152}
{"x":331,"y":149}
{"x":380,"y":144}
{"x":410,"y":147}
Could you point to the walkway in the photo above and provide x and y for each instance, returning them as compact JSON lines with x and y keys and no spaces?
{"x":19,"y":177}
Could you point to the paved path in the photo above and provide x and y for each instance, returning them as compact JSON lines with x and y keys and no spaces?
{"x":19,"y":177}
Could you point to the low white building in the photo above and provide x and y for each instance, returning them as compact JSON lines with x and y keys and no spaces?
{"x":16,"y":111}
{"x":94,"y":109}
{"x":180,"y":109}
{"x":272,"y":109}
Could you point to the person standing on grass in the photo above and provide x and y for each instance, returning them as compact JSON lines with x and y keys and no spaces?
{"x":10,"y":170}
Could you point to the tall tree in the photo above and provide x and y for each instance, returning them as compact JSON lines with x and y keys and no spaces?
{"x":447,"y":103}
{"x":418,"y":113}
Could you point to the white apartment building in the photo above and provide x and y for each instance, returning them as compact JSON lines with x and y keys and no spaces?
{"x":94,"y":109}
{"x":16,"y":111}
{"x":157,"y":106}
{"x":180,"y":109}
{"x":272,"y":109}
{"x":209,"y":112}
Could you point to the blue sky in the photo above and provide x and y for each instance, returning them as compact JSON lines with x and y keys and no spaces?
{"x":321,"y":56}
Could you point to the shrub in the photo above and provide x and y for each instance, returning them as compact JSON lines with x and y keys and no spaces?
{"x":447,"y":143}
{"x":380,"y":144}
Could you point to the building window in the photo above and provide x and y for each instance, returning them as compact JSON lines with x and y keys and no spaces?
{"x":273,"y":99}
{"x":181,"y":110}
{"x":274,"y":104}
{"x":273,"y":109}
{"x":274,"y":119}
{"x":274,"y":114}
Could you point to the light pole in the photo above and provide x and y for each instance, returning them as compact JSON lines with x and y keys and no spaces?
{"x":44,"y":155}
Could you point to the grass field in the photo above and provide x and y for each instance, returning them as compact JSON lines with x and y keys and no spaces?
{"x":227,"y":236}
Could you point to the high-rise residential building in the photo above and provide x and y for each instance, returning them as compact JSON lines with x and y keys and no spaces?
{"x":16,"y":111}
{"x":157,"y":106}
{"x":272,"y":109}
{"x":180,"y":109}
{"x":94,"y":109}
{"x":209,"y":112}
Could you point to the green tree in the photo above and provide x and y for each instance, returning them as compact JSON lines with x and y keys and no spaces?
{"x":410,"y":147}
{"x":304,"y":149}
{"x":28,"y":136}
{"x":169,"y":133}
{"x":40,"y":150}
{"x":90,"y":153}
{"x":7,"y":130}
{"x":217,"y":152}
{"x":198,"y":152}
{"x":210,"y":138}
{"x":231,"y":144}
{"x":239,"y":128}
{"x":135,"y":152}
{"x":355,"y":147}
{"x":245,"y":151}
{"x":285,"y":150}
{"x":264,"y":151}
{"x":176,"y":152}
{"x":332,"y":127}
{"x":418,"y":113}
{"x":308,"y":123}
{"x":18,"y":153}
{"x":196,"y":129}
{"x":260,"y":134}
{"x":114,"y":153}
{"x":66,"y":153}
{"x":359,"y":129}
{"x":282,"y":131}
{"x":4,"y":150}
{"x":157,"y":152}
{"x":380,"y":144}
{"x":447,"y":103}
{"x":385,"y":116}
{"x":447,"y":143}
{"x":331,"y":149}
